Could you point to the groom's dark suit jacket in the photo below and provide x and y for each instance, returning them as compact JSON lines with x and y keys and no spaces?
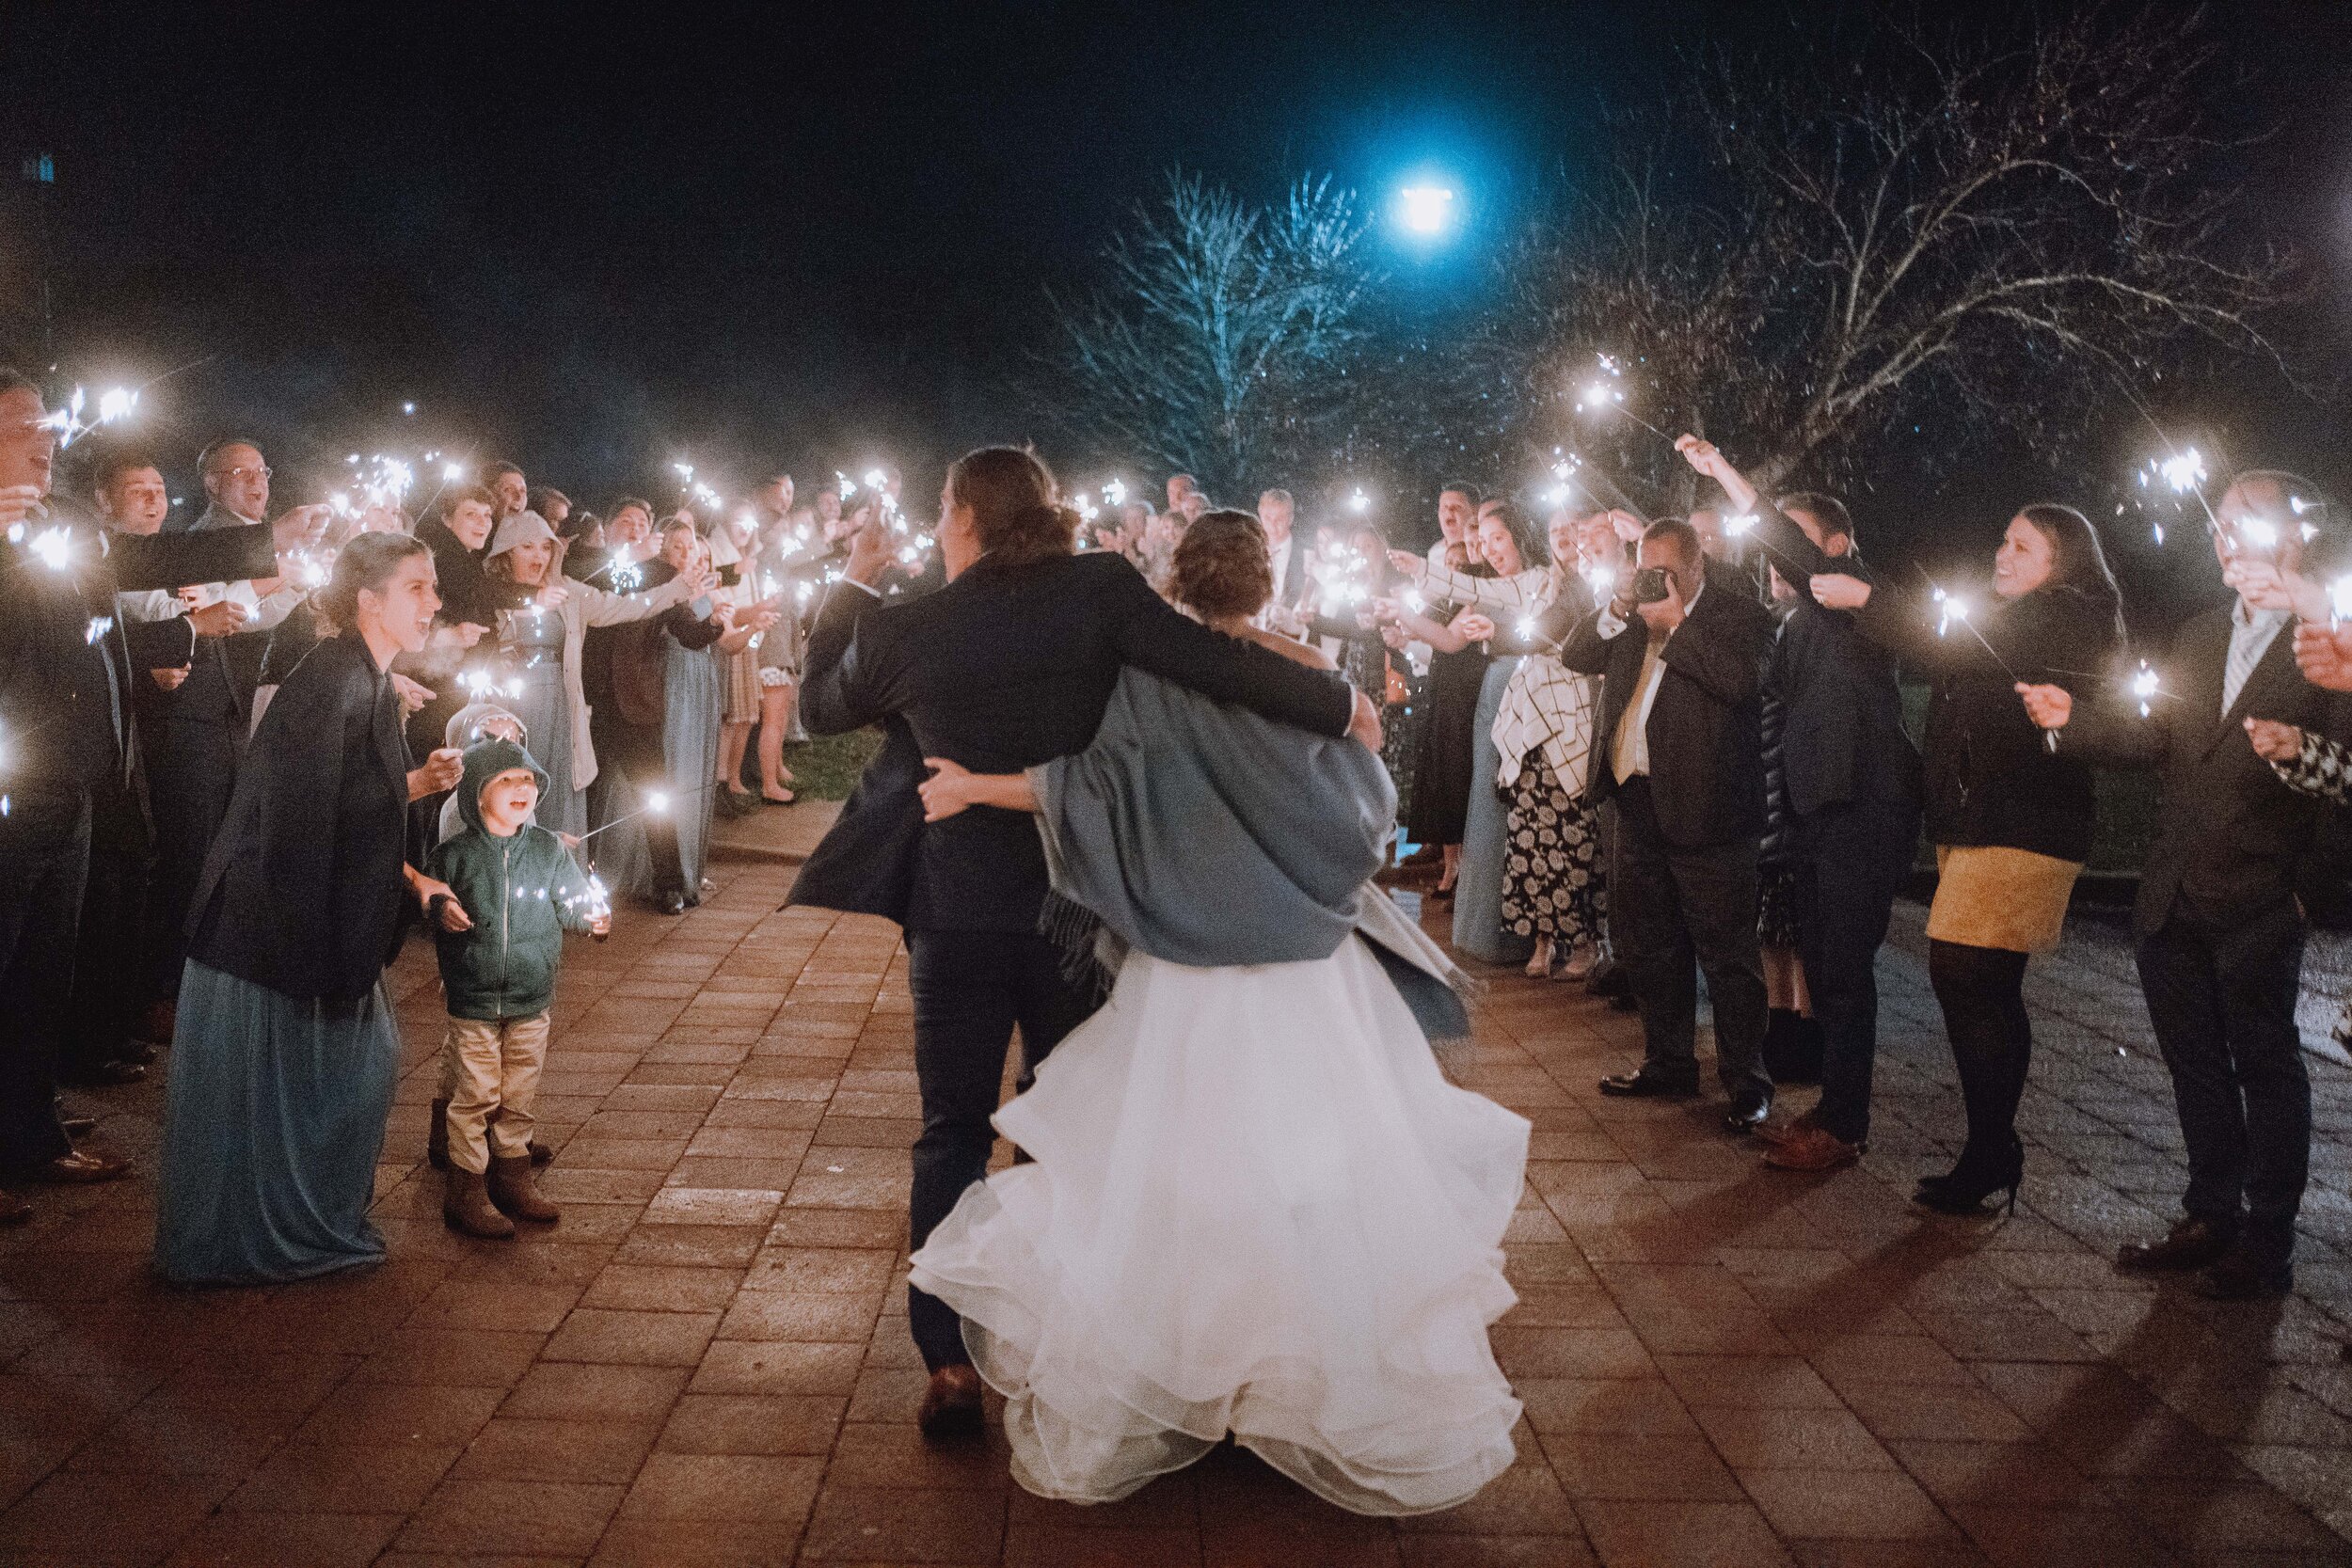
{"x":1008,"y":665}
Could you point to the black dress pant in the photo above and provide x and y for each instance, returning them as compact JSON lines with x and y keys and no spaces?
{"x":191,"y":777}
{"x":44,"y":857}
{"x":1673,"y":914}
{"x":111,"y":967}
{"x":971,"y":990}
{"x":2222,"y":995}
{"x":1856,"y":856}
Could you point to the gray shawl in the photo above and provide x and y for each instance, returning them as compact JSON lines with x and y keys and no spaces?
{"x":1208,"y":836}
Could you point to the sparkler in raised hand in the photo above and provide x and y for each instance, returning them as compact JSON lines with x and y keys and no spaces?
{"x":114,"y":403}
{"x":1606,"y":394}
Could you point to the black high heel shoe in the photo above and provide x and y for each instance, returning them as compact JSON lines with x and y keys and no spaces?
{"x":1962,"y":1190}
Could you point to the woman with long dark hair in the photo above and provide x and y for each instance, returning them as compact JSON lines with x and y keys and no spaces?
{"x":286,"y":1050}
{"x":2011,"y":815}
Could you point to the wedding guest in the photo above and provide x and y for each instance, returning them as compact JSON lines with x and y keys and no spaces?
{"x":1552,"y":891}
{"x":1286,"y":552}
{"x":543,"y":622}
{"x":287,"y":1051}
{"x":624,"y":676}
{"x":510,"y":492}
{"x":552,"y":504}
{"x":2220,"y":923}
{"x":1458,"y":669}
{"x":1682,"y":662}
{"x":193,"y":733}
{"x":66,"y":658}
{"x":737,"y":589}
{"x":106,"y":1019}
{"x":499,"y":956}
{"x":659,"y":854}
{"x":1852,"y":788}
{"x":2010,"y":817}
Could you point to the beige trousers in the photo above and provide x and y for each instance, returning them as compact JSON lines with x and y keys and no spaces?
{"x":492,"y":1071}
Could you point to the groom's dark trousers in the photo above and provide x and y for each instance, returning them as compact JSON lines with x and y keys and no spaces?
{"x":1007,"y":666}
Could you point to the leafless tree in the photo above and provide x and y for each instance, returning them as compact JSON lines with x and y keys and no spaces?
{"x":1221,"y":344}
{"x":1981,"y":230}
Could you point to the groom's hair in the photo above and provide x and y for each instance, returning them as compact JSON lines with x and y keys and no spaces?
{"x":1010,"y":492}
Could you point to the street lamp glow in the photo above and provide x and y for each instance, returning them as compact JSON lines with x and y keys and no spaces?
{"x":1426,"y":209}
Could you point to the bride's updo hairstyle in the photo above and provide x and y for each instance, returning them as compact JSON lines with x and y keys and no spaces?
{"x":1013,"y":509}
{"x":1222,"y":568}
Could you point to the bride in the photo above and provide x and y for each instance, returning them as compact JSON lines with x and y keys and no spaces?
{"x":1253,"y":1203}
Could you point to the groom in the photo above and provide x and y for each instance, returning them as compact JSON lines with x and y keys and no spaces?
{"x":1009,"y":665}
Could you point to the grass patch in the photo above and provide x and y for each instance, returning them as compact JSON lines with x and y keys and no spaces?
{"x":824,"y":769}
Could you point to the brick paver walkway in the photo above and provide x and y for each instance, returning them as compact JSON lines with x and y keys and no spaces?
{"x":707,"y":1362}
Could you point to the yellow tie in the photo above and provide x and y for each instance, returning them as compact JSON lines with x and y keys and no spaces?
{"x":1630,"y":756}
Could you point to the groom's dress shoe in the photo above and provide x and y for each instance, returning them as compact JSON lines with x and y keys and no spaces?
{"x":952,"y":1405}
{"x":1748,"y":1112}
{"x":1639,"y":1084}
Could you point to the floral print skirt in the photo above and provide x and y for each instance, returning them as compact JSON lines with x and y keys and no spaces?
{"x":1551,"y":884}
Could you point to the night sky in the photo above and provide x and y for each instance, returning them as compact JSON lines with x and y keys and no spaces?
{"x":600,"y":239}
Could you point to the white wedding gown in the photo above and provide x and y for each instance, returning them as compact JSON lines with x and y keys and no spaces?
{"x":1256,"y":1206}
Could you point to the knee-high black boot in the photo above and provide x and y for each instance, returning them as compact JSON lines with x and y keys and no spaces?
{"x":1981,"y":991}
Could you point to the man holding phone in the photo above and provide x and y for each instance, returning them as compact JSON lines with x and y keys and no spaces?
{"x":1680,"y":714}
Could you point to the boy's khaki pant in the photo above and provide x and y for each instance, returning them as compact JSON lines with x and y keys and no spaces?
{"x":491,"y":1074}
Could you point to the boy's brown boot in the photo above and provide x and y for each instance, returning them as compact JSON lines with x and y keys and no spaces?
{"x":436,"y":1136}
{"x":516,"y":1192}
{"x":466,"y":1207}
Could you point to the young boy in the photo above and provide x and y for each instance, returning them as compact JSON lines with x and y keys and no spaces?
{"x":500,"y":941}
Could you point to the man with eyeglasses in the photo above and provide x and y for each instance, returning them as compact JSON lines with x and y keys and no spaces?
{"x":194,"y":733}
{"x":67,"y":660}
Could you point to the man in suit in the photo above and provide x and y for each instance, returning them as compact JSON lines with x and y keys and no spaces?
{"x":1853,"y":781}
{"x":195,"y":731}
{"x":1684,"y":763}
{"x":1286,"y":553}
{"x":1011,"y":664}
{"x":66,"y":660}
{"x":2219,"y":922}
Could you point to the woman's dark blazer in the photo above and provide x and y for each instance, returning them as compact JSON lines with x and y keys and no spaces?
{"x":302,"y":891}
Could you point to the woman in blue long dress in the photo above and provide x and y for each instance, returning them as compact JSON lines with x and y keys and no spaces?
{"x":696,"y":636}
{"x":286,"y":1050}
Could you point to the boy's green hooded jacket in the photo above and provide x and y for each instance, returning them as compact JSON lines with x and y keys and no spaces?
{"x":523,"y":893}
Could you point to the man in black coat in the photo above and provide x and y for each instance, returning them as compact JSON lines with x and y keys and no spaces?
{"x":1011,"y":664}
{"x":66,"y":662}
{"x":1851,"y":777}
{"x":194,"y":732}
{"x":2220,"y":923}
{"x":1678,"y":748}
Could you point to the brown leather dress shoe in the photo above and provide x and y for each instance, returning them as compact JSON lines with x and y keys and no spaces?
{"x":81,"y":1168}
{"x":952,"y":1405}
{"x":2191,"y":1244}
{"x":1812,"y":1148}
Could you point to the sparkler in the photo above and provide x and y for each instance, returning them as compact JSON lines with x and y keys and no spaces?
{"x":1115,"y":494}
{"x":115,"y":403}
{"x":1359,"y":503}
{"x":1607,"y":392}
{"x":1953,"y":609}
{"x":2182,"y":471}
{"x":2143,"y":686}
{"x":658,"y":803}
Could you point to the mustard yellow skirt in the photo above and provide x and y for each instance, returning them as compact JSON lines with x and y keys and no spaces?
{"x":1987,"y":895}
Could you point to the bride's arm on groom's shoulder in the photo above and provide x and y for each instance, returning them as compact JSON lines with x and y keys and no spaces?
{"x":952,"y":788}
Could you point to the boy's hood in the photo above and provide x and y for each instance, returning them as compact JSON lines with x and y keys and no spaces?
{"x":485,"y":759}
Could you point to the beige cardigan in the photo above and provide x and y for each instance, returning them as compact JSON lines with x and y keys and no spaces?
{"x":585,"y":607}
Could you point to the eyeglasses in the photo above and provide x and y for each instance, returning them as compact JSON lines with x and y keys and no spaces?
{"x":243,"y":472}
